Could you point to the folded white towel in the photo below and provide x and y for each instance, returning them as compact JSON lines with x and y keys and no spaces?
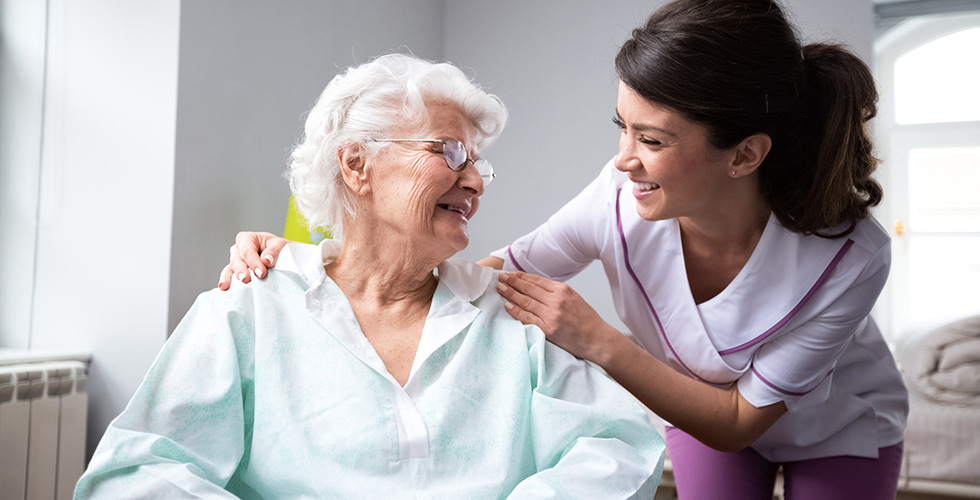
{"x":944,"y":364}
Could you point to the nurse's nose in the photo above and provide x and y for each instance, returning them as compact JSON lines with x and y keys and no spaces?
{"x":626,"y":160}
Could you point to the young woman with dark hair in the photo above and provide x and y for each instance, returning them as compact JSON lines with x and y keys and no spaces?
{"x":747,"y":271}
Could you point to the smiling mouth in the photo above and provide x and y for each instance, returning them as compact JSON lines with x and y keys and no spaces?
{"x":453,"y":208}
{"x":644,"y":187}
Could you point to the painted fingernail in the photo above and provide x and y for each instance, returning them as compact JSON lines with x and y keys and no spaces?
{"x":269,"y":259}
{"x":508,"y":305}
{"x":241,"y":277}
{"x":501,"y":287}
{"x":258,"y":272}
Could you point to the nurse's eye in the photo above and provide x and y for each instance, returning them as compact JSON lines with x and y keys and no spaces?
{"x":649,"y":142}
{"x":619,"y":123}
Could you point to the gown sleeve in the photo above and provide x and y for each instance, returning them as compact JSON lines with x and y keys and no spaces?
{"x":591,"y":439}
{"x":571,"y":238}
{"x":183,"y":433}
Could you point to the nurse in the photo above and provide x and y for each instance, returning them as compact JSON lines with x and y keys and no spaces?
{"x":734,"y":227}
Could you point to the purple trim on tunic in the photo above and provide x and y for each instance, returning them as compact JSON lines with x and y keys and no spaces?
{"x":512,"y":259}
{"x":806,"y":298}
{"x":629,"y":268}
{"x":784,"y":391}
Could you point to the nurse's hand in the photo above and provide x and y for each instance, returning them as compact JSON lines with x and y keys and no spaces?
{"x":565,"y":317}
{"x":244,"y":255}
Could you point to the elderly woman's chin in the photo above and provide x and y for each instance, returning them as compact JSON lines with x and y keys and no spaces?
{"x":453,"y":231}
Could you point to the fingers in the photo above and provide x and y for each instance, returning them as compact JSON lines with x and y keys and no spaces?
{"x":244,"y":257}
{"x":525,"y":285}
{"x":520,"y":278}
{"x":273,"y":246}
{"x":515,"y":297}
{"x":237,"y":266}
{"x":249,"y":245}
{"x":224,"y":279}
{"x":523,"y":297}
{"x":523,"y":315}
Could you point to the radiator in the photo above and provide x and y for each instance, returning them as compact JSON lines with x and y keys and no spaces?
{"x":42,"y":429}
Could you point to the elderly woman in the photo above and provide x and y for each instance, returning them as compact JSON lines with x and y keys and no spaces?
{"x":393,"y":371}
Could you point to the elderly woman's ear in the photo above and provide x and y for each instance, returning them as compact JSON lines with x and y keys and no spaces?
{"x":352,"y":157}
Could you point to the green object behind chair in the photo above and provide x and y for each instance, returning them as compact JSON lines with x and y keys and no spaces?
{"x":298,"y":230}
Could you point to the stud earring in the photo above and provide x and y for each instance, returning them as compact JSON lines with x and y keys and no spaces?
{"x":734,"y":172}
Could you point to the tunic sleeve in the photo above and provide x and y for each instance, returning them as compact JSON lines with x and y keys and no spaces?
{"x":571,"y":238}
{"x":591,"y":439}
{"x":798,"y":367}
{"x":183,"y":433}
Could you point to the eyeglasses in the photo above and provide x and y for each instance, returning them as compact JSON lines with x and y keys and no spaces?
{"x":456,"y":157}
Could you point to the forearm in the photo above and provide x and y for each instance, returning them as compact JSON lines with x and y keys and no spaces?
{"x":718,"y":417}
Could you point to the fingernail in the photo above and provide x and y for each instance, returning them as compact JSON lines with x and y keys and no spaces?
{"x":258,"y":272}
{"x":508,"y":305}
{"x":241,"y":277}
{"x":268,"y":258}
{"x":501,"y":287}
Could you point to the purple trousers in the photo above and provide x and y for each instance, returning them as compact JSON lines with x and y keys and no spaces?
{"x":703,"y":473}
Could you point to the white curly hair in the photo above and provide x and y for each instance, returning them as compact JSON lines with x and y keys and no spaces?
{"x":363,"y":103}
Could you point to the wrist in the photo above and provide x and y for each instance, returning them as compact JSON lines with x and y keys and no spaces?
{"x":609,"y":344}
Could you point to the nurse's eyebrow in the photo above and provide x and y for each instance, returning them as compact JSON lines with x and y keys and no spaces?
{"x":646,"y":127}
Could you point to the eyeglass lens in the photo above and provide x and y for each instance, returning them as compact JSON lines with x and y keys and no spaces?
{"x":454,"y":152}
{"x":455,"y":155}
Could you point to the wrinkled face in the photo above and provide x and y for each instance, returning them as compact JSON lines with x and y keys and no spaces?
{"x":416,"y":195}
{"x":675,"y":171}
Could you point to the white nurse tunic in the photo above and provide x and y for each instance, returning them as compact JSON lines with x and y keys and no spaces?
{"x":793,"y":326}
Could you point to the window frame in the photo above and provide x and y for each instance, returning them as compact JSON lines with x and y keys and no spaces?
{"x":895,"y":142}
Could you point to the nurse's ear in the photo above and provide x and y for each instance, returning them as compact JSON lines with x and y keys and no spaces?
{"x":352,"y":158}
{"x":749,"y":154}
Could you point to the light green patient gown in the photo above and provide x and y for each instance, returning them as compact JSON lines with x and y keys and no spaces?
{"x":270,"y":390}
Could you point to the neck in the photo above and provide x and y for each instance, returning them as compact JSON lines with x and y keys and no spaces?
{"x":378,"y":270}
{"x":735,"y":223}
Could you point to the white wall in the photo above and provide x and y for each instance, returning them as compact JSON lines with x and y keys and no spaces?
{"x":106,"y":191}
{"x":21,"y":101}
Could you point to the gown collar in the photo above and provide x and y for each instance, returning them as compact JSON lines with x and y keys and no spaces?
{"x":460,"y":284}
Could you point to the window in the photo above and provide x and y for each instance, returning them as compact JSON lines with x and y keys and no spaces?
{"x":929,"y":137}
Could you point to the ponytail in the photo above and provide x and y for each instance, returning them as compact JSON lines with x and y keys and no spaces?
{"x":840,"y":99}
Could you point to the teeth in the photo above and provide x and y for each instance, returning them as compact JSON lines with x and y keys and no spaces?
{"x":645,"y":186}
{"x":453,"y":208}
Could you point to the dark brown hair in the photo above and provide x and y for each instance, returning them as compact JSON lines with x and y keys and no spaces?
{"x":737,"y":68}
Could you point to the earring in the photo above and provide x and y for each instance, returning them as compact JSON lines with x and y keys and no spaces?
{"x":734,"y":172}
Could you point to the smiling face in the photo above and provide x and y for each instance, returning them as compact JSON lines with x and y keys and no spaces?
{"x":675,"y":171}
{"x":415,"y":197}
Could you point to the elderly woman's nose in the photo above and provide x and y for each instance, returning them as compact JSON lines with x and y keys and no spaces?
{"x":471,"y":180}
